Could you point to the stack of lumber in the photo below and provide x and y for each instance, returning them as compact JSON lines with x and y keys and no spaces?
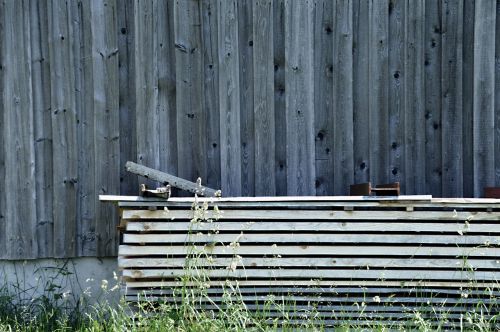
{"x":382,"y":256}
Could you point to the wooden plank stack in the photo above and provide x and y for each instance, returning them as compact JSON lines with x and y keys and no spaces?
{"x":389,"y":255}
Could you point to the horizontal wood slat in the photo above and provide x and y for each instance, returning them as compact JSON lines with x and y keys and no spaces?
{"x":310,"y":238}
{"x":313,"y":226}
{"x":251,"y":262}
{"x":308,"y":248}
{"x":311,"y":215}
{"x":276,"y":272}
{"x":314,"y":283}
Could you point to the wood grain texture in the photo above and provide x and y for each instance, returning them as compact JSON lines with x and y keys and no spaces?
{"x":343,"y":97}
{"x":146,"y":88}
{"x":484,"y":98}
{"x":191,"y":134}
{"x":64,"y":129}
{"x":126,"y":65}
{"x":263,"y":98}
{"x":451,"y":87}
{"x":280,"y":96}
{"x":20,"y":205}
{"x":42,"y":127}
{"x":229,"y":97}
{"x":3,"y":211}
{"x":497,"y":96}
{"x":361,"y":88}
{"x":397,"y":74}
{"x":106,"y":120}
{"x":414,"y":91}
{"x":434,"y":125}
{"x":86,"y":204}
{"x":167,"y":104}
{"x":246,"y":76}
{"x":328,"y":226}
{"x":378,"y":22}
{"x":299,"y":246}
{"x":468,"y":99}
{"x":258,"y":214}
{"x":211,"y":92}
{"x":299,"y":98}
{"x":423,"y":89}
{"x":323,"y":96}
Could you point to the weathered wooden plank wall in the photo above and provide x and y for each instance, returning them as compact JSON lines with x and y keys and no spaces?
{"x":257,"y":97}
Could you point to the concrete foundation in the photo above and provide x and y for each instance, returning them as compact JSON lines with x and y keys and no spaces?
{"x":92,"y":279}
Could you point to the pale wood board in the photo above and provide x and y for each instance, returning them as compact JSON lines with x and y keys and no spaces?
{"x":314,"y":283}
{"x":405,"y":198}
{"x":256,"y":215}
{"x":310,"y":262}
{"x":313,"y":237}
{"x":308,"y":250}
{"x":317,"y":226}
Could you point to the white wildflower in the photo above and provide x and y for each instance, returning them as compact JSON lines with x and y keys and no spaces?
{"x":87,"y":292}
{"x":104,"y":284}
{"x":376,"y":299}
{"x":232,"y":266}
{"x":115,"y":276}
{"x":66,"y":294}
{"x":464,"y":295}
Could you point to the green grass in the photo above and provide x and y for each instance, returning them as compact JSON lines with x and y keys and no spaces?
{"x":56,"y":310}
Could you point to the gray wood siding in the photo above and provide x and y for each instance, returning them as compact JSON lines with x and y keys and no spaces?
{"x":256,"y":97}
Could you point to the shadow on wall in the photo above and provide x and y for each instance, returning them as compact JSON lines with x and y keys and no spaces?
{"x":87,"y":280}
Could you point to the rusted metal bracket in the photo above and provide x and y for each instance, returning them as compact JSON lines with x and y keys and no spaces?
{"x":492,"y":192}
{"x":163,"y":192}
{"x":366,"y":189}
